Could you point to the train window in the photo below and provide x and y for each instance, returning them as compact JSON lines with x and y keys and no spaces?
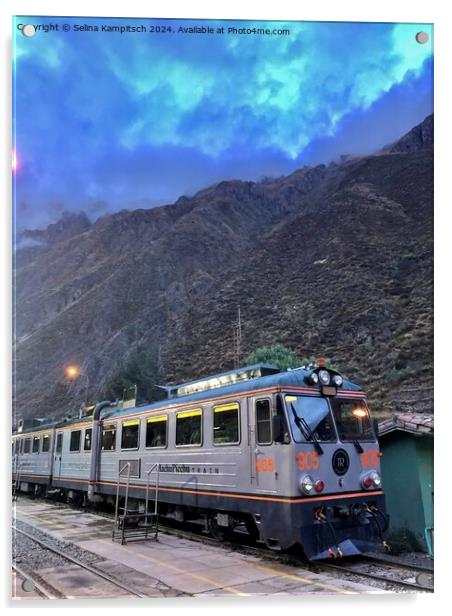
{"x":156,"y":431}
{"x":35,"y":446}
{"x":130,"y":434}
{"x":27,"y":445}
{"x":310,"y":417}
{"x":21,"y":446}
{"x":87,"y":440}
{"x":263,"y":422}
{"x":189,"y":428}
{"x":109,"y":437}
{"x":45,"y":442}
{"x":16,"y":445}
{"x":74,"y":444}
{"x":282,"y":434}
{"x":59,"y":442}
{"x":226,"y":424}
{"x":352,"y":420}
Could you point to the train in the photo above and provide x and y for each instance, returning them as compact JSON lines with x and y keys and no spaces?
{"x":292,"y":456}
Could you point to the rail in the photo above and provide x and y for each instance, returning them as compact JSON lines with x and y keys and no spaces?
{"x":91,"y":568}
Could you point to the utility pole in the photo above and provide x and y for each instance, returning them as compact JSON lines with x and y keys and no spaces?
{"x":237,"y":333}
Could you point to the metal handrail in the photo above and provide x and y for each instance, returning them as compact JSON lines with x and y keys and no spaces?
{"x":156,"y":497}
{"x":18,"y":475}
{"x":120,"y":521}
{"x":121,"y":470}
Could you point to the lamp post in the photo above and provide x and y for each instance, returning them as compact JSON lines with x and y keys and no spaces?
{"x":73,"y":372}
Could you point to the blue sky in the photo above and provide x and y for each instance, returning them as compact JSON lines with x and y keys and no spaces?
{"x":106,"y":121}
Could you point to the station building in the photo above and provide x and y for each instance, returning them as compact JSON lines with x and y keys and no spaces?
{"x":406,"y":442}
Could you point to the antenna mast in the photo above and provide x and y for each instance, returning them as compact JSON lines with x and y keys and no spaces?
{"x":237,"y":333}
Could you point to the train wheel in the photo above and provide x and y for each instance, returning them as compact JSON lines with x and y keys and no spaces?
{"x":220,"y":533}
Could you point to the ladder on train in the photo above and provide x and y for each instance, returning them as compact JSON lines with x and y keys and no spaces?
{"x":16,"y":480}
{"x":133,"y":525}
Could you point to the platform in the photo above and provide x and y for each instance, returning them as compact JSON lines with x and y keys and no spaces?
{"x":173,"y":566}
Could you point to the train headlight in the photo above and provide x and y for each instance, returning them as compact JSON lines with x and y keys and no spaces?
{"x":337,"y":380}
{"x":324,"y":377}
{"x":371,"y":480}
{"x":307,"y":485}
{"x":314,"y":378}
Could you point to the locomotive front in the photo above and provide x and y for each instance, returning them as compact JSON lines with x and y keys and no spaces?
{"x":339,"y":509}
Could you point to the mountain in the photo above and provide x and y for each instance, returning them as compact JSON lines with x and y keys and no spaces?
{"x":418,"y":138}
{"x":331,"y":260}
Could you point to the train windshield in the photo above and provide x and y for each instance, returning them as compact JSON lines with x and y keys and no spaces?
{"x":310,"y":417}
{"x":352,"y":420}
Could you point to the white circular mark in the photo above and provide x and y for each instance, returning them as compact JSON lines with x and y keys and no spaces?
{"x":28,"y":586}
{"x":29,"y":30}
{"x":422,"y":37}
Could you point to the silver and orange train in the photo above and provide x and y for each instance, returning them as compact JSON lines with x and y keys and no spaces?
{"x":291,"y":455}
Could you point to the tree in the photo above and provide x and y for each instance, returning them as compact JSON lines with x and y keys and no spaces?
{"x":276,"y":354}
{"x":139,"y":368}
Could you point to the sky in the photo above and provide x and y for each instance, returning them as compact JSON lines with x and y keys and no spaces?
{"x":104,"y":120}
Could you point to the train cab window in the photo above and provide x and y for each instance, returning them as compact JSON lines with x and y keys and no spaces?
{"x":109,"y":437}
{"x":263,"y":422}
{"x":21,"y":446}
{"x":45,"y":443}
{"x":130,"y":434}
{"x":59,"y":442}
{"x":16,"y":446}
{"x":87,"y":439}
{"x":74,"y":444}
{"x":282,"y":434}
{"x":309,"y":417}
{"x":189,"y":428}
{"x":156,"y":430}
{"x":35,"y":446}
{"x":352,"y":420}
{"x":226,"y":424}
{"x":27,"y":445}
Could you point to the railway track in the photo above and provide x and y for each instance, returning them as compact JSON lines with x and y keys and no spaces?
{"x":52,"y":593}
{"x":390,"y":572}
{"x":34,"y":585}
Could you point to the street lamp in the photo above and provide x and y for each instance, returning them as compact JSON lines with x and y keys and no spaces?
{"x":73,"y":372}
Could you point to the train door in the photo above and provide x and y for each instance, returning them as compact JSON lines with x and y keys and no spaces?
{"x":263,"y":451}
{"x":57,"y":455}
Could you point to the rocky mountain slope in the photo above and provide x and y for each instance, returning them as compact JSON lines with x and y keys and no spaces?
{"x":333,"y":260}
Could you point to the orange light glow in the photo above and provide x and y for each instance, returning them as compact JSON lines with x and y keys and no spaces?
{"x":72,"y":371}
{"x":359,"y":413}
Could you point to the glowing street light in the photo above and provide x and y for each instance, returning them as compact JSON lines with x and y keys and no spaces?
{"x":73,"y":372}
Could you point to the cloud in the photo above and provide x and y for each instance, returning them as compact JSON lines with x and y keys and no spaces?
{"x":103,"y":117}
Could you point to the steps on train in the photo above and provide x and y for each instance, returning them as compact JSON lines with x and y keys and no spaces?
{"x":135,"y":527}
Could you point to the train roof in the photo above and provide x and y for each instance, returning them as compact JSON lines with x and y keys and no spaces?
{"x":48,"y":425}
{"x":239,"y":381}
{"x":272,"y":378}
